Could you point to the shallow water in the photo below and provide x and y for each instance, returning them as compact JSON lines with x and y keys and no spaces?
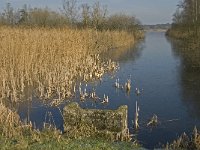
{"x":168,"y":89}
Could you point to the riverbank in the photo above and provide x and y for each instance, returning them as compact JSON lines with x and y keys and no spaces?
{"x":47,"y":63}
{"x":183,"y":33}
{"x":186,"y":43}
{"x":16,"y":134}
{"x":47,"y":142}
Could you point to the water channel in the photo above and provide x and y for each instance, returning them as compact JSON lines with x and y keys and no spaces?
{"x":168,"y":89}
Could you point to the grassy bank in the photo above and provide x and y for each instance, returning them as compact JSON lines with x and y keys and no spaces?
{"x":183,"y":33}
{"x":68,"y":144}
{"x":47,"y":142}
{"x":16,"y":134}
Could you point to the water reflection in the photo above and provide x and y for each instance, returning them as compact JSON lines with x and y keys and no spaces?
{"x":123,"y":55}
{"x":189,"y":52}
{"x":190,"y":81}
{"x":171,"y":82}
{"x":39,"y":112}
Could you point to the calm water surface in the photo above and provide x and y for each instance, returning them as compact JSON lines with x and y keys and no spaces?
{"x":169,"y":90}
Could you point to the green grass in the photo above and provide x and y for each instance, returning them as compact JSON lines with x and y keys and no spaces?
{"x":67,"y":144}
{"x":53,"y":140}
{"x":84,"y":144}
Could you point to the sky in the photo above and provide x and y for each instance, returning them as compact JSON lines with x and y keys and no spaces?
{"x":147,"y":11}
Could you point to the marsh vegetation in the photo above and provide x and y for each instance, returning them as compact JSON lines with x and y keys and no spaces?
{"x":47,"y":63}
{"x":47,"y":55}
{"x":57,"y":57}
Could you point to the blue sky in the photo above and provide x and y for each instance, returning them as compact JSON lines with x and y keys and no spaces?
{"x":147,"y":11}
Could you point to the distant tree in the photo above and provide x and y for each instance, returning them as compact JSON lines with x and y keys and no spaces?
{"x":45,"y":17}
{"x":38,"y":17}
{"x":86,"y":15}
{"x":123,"y":22}
{"x":8,"y":14}
{"x":95,"y":16}
{"x":98,"y":15}
{"x":23,"y":15}
{"x":69,"y":9}
{"x":188,"y":11}
{"x":187,"y":16}
{"x":177,"y":17}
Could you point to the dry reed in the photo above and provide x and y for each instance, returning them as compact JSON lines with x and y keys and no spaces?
{"x":9,"y":122}
{"x":50,"y":61}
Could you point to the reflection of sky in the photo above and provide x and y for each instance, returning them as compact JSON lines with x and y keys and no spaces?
{"x":148,"y":11}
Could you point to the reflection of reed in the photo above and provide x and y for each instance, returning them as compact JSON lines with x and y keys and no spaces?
{"x":190,"y":82}
{"x":122,"y":55}
{"x":189,"y":53}
{"x":188,"y":50}
{"x":136,"y":115}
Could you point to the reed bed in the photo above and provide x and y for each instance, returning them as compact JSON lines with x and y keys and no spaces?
{"x":48,"y":62}
{"x":9,"y":122}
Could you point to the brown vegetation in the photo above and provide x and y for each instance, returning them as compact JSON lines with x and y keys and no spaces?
{"x":186,"y":20}
{"x":9,"y":122}
{"x":50,"y":61}
{"x":45,"y":54}
{"x":186,"y":142}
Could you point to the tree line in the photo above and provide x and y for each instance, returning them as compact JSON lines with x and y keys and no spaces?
{"x":187,"y":16}
{"x":70,"y":14}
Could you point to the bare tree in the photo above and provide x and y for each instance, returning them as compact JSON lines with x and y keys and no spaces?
{"x":86,"y":15}
{"x":8,"y":14}
{"x":94,"y":16}
{"x":70,"y":10}
{"x":177,"y":17}
{"x":188,"y":15}
{"x":98,"y":15}
{"x":23,"y":15}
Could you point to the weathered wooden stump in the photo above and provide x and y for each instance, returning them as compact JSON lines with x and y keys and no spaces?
{"x":109,"y":124}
